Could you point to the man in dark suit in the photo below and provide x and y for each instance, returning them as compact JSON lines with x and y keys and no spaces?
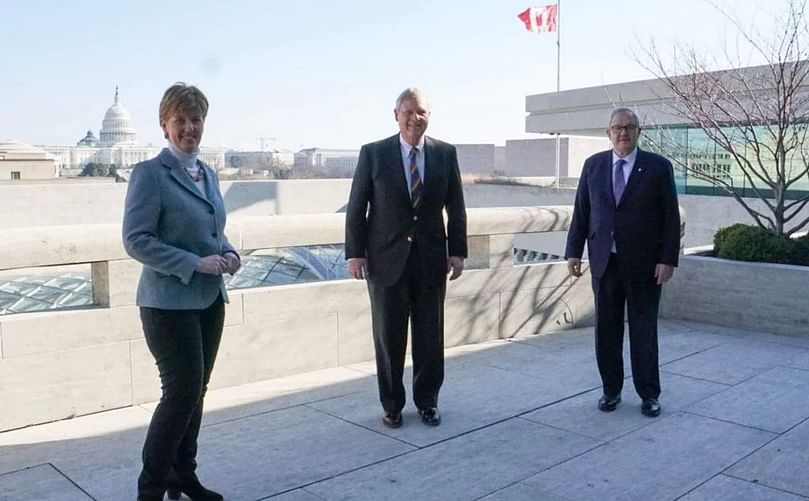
{"x":396,"y":239}
{"x":626,"y":209}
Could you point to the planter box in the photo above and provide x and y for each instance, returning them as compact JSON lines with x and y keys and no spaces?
{"x":751,"y":296}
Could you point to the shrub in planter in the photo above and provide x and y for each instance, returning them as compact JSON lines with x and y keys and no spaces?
{"x":743,"y":242}
{"x":801,"y":250}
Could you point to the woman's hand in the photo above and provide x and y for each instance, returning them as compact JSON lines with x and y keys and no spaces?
{"x":233,"y":263}
{"x":212,"y":265}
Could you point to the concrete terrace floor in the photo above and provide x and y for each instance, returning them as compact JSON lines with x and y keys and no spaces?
{"x":520,"y":423}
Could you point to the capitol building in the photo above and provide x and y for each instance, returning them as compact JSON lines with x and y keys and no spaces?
{"x":116,"y":145}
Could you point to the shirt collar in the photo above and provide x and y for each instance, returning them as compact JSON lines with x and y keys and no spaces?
{"x":186,"y":160}
{"x":406,"y":147}
{"x":629,"y":159}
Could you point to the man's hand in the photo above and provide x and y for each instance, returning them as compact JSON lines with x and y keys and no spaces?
{"x":357,"y":267}
{"x":232,"y":262}
{"x":663,"y":273}
{"x":212,"y":265}
{"x":454,"y":265}
{"x":574,"y":266}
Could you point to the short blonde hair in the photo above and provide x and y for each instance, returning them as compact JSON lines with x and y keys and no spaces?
{"x":182,"y":97}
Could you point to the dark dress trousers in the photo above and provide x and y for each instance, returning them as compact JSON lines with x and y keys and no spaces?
{"x":407,"y":253}
{"x":645,"y":227}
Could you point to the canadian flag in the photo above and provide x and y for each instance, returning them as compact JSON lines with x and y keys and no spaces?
{"x":539,"y":19}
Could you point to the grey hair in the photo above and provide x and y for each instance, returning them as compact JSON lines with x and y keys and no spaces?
{"x":622,"y":110}
{"x":412,"y":93}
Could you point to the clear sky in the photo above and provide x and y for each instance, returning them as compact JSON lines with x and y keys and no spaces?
{"x":320,"y":73}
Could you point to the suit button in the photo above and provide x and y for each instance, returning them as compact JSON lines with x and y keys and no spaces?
{"x":213,"y":235}
{"x":415,"y":218}
{"x":409,"y":239}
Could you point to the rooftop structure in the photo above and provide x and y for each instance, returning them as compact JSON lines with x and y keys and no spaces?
{"x":586,"y":112}
{"x":21,"y":161}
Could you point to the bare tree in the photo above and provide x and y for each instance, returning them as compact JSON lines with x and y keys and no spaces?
{"x":757,"y":115}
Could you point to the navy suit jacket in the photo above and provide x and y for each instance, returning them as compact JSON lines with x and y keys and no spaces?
{"x":381,"y":223}
{"x":645,"y":225}
{"x":168,"y":226}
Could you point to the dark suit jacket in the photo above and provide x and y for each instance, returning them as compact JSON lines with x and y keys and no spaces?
{"x":645,"y":225}
{"x":168,"y":226}
{"x":381,"y":223}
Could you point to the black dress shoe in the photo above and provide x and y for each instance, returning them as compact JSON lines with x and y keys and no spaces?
{"x":608,"y":403}
{"x":430,"y":416}
{"x":150,"y":497}
{"x":194,"y":490}
{"x":650,"y":407}
{"x":392,"y":419}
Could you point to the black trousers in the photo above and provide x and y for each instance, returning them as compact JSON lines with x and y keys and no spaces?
{"x":184,"y":344}
{"x":616,"y":289}
{"x":391,"y":307}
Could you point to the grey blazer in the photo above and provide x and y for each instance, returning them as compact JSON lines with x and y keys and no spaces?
{"x":168,"y":226}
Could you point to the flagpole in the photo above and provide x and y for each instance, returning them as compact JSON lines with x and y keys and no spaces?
{"x":558,"y":73}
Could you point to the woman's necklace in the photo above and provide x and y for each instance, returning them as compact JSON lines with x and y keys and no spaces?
{"x":198,"y":177}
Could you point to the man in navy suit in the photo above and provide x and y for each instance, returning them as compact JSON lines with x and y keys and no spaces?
{"x":626,"y":210}
{"x":396,"y":239}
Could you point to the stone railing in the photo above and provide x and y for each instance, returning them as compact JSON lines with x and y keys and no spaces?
{"x":65,"y":363}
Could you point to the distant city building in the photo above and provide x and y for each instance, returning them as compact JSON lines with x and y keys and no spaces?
{"x":482,"y":160}
{"x":249,"y":162}
{"x":116,"y":128}
{"x":19,"y":161}
{"x":327,"y":159}
{"x":477,"y":159}
{"x":116,"y":146}
{"x":528,"y":157}
{"x":537,"y":157}
{"x":88,"y":140}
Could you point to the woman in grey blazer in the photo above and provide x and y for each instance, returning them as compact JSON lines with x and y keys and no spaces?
{"x":174,"y":222}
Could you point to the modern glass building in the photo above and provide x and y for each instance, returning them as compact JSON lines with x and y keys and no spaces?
{"x":585,"y":112}
{"x":692,"y":152}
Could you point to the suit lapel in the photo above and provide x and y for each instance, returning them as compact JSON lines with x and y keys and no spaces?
{"x":394,"y":153}
{"x":638,"y":170}
{"x":607,"y":178}
{"x":436,"y":171}
{"x":181,"y":177}
{"x":431,"y":163}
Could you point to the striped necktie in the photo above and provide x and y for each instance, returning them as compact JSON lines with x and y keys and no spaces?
{"x":619,"y":182}
{"x":416,"y":186}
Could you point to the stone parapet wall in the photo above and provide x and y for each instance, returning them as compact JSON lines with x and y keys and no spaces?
{"x":62,"y":364}
{"x":748,"y":296}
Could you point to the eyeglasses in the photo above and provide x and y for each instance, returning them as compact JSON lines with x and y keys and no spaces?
{"x":619,"y":128}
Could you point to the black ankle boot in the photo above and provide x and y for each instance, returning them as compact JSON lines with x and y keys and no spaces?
{"x":194,"y":490}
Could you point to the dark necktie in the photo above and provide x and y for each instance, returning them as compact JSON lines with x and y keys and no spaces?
{"x":416,"y":186}
{"x":618,"y":181}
